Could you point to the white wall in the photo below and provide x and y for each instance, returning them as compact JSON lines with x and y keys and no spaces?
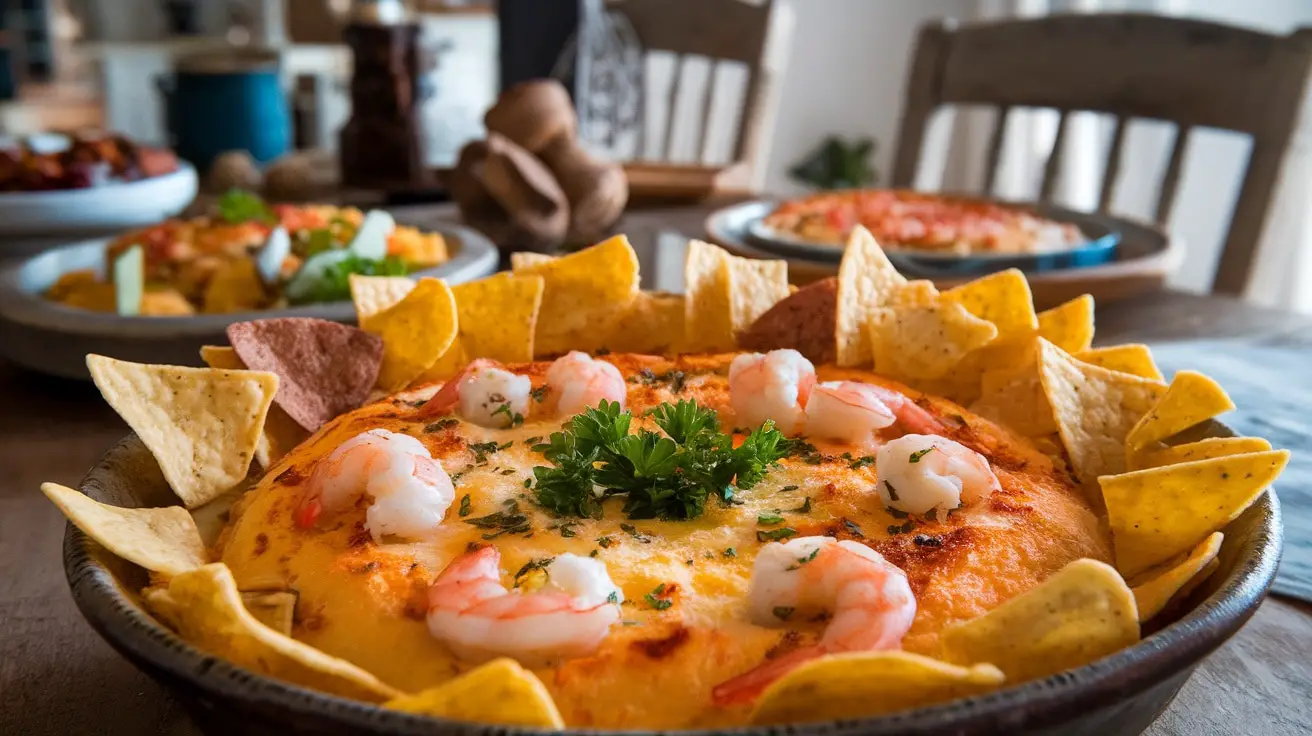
{"x":845,"y":74}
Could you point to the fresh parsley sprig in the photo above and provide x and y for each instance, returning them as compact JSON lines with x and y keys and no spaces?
{"x":666,"y":476}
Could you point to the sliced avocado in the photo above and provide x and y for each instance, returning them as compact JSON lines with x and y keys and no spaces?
{"x":129,"y":281}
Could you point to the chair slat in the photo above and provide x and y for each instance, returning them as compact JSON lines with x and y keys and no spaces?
{"x":671,"y":106}
{"x":1171,"y":179}
{"x":995,"y":149}
{"x":1053,"y":167}
{"x":1113,"y":168}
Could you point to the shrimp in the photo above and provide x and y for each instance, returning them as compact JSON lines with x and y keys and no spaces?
{"x":775,"y":386}
{"x":920,"y":472}
{"x":484,"y":393}
{"x":578,"y":382}
{"x":479,"y":619}
{"x":853,"y":412}
{"x":869,"y":599}
{"x":410,"y":490}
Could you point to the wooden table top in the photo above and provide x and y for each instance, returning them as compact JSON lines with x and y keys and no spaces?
{"x":58,"y":677}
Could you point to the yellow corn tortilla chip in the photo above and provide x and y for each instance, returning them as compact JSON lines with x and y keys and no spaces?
{"x":1201,"y":450}
{"x":201,"y":424}
{"x":273,"y":608}
{"x":918,"y":293}
{"x":754,"y":286}
{"x":498,"y":316}
{"x":580,"y":290}
{"x":1015,"y":399}
{"x":867,"y":281}
{"x":500,"y":692}
{"x":205,"y":609}
{"x":865,"y":684}
{"x":163,"y":540}
{"x":1154,"y":588}
{"x":1002,"y":298}
{"x":652,"y":324}
{"x":1094,"y":409}
{"x":1069,"y":326}
{"x":1134,"y":359}
{"x":1158,"y":513}
{"x":416,"y":331}
{"x":708,"y":316}
{"x":281,"y":432}
{"x":449,"y":365}
{"x":1082,"y":613}
{"x":374,"y":294}
{"x":235,"y":287}
{"x":924,"y":343}
{"x":1191,"y":398}
{"x":523,"y":262}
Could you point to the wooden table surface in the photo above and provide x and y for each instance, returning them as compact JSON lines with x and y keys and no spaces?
{"x":58,"y":677}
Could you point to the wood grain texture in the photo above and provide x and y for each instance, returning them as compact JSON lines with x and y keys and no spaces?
{"x":60,"y":679}
{"x":1192,"y":73}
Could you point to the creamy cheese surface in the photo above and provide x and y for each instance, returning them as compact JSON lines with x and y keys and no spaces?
{"x":366,"y":601}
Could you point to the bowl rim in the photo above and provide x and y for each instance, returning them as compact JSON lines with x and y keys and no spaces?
{"x":1168,"y":651}
{"x":184,"y":172}
{"x":475,"y":256}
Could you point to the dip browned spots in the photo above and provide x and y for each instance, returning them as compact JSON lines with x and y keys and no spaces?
{"x":921,"y":560}
{"x":290,"y":477}
{"x":416,"y":601}
{"x":1004,"y":504}
{"x":261,"y":544}
{"x":359,"y":536}
{"x":664,"y":646}
{"x":790,"y":641}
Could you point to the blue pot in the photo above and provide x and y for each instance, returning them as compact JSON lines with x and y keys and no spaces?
{"x":227,"y":101}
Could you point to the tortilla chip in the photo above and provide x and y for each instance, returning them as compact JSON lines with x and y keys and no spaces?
{"x":1094,"y":409}
{"x":1134,"y":359}
{"x":525,"y":261}
{"x":1002,"y":298}
{"x":235,"y":287}
{"x":375,"y":294}
{"x":416,"y":331}
{"x":918,"y":293}
{"x":1191,"y":398}
{"x":914,"y":343}
{"x":281,"y":432}
{"x":1159,"y":513}
{"x":580,"y":290}
{"x":1201,"y":450}
{"x":1082,"y":613}
{"x":1069,"y":326}
{"x":867,"y":281}
{"x":754,"y":287}
{"x":166,"y":302}
{"x":500,"y":692}
{"x":498,"y":316}
{"x":450,"y":364}
{"x":652,"y":324}
{"x":205,"y":609}
{"x":866,"y":684}
{"x":804,"y":322}
{"x":273,"y":608}
{"x":708,"y":316}
{"x":201,"y":424}
{"x":1155,"y":588}
{"x":163,"y":540}
{"x":324,"y":368}
{"x":1015,"y":399}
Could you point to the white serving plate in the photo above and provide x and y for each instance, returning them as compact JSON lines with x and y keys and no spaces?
{"x":96,"y":210}
{"x":51,"y":338}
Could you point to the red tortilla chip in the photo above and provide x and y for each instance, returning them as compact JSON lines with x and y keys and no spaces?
{"x":325,"y":368}
{"x":805,"y":321}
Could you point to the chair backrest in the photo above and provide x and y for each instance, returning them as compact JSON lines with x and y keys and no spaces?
{"x":750,"y":36}
{"x":1191,"y":73}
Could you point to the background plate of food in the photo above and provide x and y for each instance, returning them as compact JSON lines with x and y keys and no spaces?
{"x":960,"y":518}
{"x":939,"y":234}
{"x":161,"y":292}
{"x":55,"y":184}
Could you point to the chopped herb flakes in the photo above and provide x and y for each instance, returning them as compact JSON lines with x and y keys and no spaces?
{"x":803,"y":560}
{"x":514,"y":417}
{"x":441,"y":424}
{"x":862,"y":462}
{"x":482,"y":449}
{"x":901,"y":528}
{"x":730,"y":552}
{"x":783,"y":613}
{"x":774,"y":535}
{"x":657,"y":600}
{"x":786,"y":489}
{"x":924,"y":540}
{"x":915,"y":456}
{"x":892,"y":492}
{"x":531,"y":566}
{"x":502,"y":522}
{"x":605,"y":542}
{"x":805,"y":508}
{"x":769,"y":518}
{"x":614,"y":596}
{"x":853,"y":528}
{"x":539,"y":394}
{"x":464,"y":505}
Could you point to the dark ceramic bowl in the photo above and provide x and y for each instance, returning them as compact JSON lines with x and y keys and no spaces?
{"x":1120,"y":694}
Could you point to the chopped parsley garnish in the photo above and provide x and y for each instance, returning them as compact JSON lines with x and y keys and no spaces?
{"x":892,"y":492}
{"x":539,"y":394}
{"x":901,"y":528}
{"x":853,"y":528}
{"x":667,"y":476}
{"x":514,"y":417}
{"x":614,"y":596}
{"x":528,"y":482}
{"x":532,"y":440}
{"x":464,"y":505}
{"x":605,"y":542}
{"x":508,"y":471}
{"x":805,"y":508}
{"x":774,"y":535}
{"x":915,"y":456}
{"x":441,"y":424}
{"x":674,"y":379}
{"x":769,"y":518}
{"x":594,"y":553}
{"x":863,"y":461}
{"x":238,"y":206}
{"x":896,"y":513}
{"x":482,"y":449}
{"x":783,"y":613}
{"x":502,"y":522}
{"x":530,"y":566}
{"x":803,"y":560}
{"x":730,"y":552}
{"x":924,"y":540}
{"x":566,"y":529}
{"x":786,"y":489}
{"x":632,"y":531}
{"x":657,"y":600}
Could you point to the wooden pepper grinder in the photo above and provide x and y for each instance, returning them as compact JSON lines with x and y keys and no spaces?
{"x":381,"y":145}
